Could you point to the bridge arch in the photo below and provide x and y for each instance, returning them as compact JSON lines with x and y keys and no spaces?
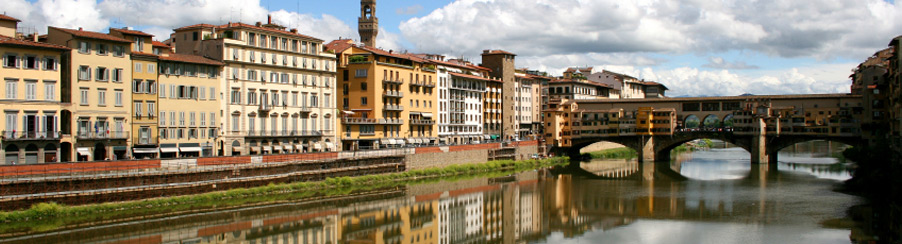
{"x":691,"y":122}
{"x":664,"y":145}
{"x":727,"y":121}
{"x":779,"y":143}
{"x":711,"y":121}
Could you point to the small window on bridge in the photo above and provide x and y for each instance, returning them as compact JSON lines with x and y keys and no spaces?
{"x":711,"y":106}
{"x":727,"y":106}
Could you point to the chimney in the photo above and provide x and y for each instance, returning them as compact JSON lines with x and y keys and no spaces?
{"x":294,"y":31}
{"x":390,"y":51}
{"x":269,"y":19}
{"x":80,"y":29}
{"x":34,"y":37}
{"x":259,"y":24}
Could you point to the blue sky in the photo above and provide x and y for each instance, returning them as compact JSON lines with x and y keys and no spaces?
{"x":696,"y":48}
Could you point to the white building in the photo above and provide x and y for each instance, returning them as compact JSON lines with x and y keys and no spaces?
{"x":461,"y":95}
{"x":460,"y":219}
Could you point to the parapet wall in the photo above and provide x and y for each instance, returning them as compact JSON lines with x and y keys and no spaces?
{"x":431,"y":157}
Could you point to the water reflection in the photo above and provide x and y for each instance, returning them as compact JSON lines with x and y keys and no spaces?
{"x":718,"y":201}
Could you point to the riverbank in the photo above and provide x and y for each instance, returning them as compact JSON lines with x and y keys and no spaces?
{"x":45,"y":216}
{"x":876,"y":178}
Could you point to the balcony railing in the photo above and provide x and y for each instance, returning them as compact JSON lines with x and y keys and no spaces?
{"x":398,"y":82}
{"x":305,"y":109}
{"x":393,"y":94}
{"x":265,"y":107}
{"x":30,"y":135}
{"x":391,"y":121}
{"x":393,"y":107}
{"x":358,"y":121}
{"x":422,"y":122}
{"x":282,"y":133}
{"x":103,"y":135}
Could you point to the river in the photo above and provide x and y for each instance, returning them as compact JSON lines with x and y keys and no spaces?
{"x":707,"y":196}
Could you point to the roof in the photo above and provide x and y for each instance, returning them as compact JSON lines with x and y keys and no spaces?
{"x":243,"y":25}
{"x":459,"y":65}
{"x":91,"y":35}
{"x":144,"y":54}
{"x":581,"y":70}
{"x":339,"y":45}
{"x":196,"y":26}
{"x":472,"y":77}
{"x":652,"y":83}
{"x":619,"y":74}
{"x":160,"y":44}
{"x":721,"y":98}
{"x":132,"y":32}
{"x":9,"y":41}
{"x":8,"y":18}
{"x":496,"y":52}
{"x":184,"y":58}
{"x":381,"y":52}
{"x":586,"y":82}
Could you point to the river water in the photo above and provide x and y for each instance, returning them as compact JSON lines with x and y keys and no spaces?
{"x":709,"y":196}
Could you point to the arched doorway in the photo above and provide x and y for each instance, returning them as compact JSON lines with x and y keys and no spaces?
{"x":12,"y":155}
{"x":50,"y":154}
{"x":236,"y":148}
{"x":31,"y":154}
{"x":66,"y":152}
{"x":99,"y":152}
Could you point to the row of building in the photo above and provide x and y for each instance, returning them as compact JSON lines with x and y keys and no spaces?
{"x":241,"y":89}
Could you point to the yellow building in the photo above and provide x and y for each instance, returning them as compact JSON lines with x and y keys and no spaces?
{"x":189,"y":105}
{"x":144,"y":93}
{"x":388,"y":98}
{"x":96,"y":94}
{"x":278,"y":90}
{"x":32,"y":78}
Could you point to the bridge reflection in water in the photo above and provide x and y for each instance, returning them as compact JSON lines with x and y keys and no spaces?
{"x":537,"y":206}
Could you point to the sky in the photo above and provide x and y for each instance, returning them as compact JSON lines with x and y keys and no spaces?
{"x":694,"y":47}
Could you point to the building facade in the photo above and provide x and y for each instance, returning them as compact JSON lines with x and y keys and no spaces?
{"x":96,"y":101}
{"x":461,"y":98}
{"x":278,"y":91}
{"x":143,"y":125}
{"x":31,"y":105}
{"x":502,"y":64}
{"x":388,"y":99}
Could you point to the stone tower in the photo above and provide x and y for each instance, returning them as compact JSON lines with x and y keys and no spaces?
{"x":368,"y":24}
{"x":502,"y":65}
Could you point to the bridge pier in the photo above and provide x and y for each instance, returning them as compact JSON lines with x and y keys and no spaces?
{"x":646,"y":149}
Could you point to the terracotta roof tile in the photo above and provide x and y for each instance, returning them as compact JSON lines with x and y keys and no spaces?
{"x":133,"y":32}
{"x":160,"y":44}
{"x":378,"y":51}
{"x":580,"y":82}
{"x":8,"y":18}
{"x":491,"y":52}
{"x":459,"y":65}
{"x":9,"y":41}
{"x":91,"y":35}
{"x":195,"y":27}
{"x":472,"y":77}
{"x":339,"y":45}
{"x":190,"y":59}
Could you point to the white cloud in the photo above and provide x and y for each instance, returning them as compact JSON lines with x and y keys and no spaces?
{"x":822,"y":29}
{"x":175,"y":13}
{"x":59,"y":13}
{"x":721,"y":63}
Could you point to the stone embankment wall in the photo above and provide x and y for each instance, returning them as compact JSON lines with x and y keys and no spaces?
{"x":431,"y":157}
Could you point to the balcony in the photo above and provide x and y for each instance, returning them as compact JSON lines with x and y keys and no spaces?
{"x":265,"y":107}
{"x":388,"y":107}
{"x":30,"y":135}
{"x":397,"y":94}
{"x":417,"y":83}
{"x":388,"y":81}
{"x":305,"y":109}
{"x":391,"y":121}
{"x":87,"y":135}
{"x":422,"y":122}
{"x":282,"y":133}
{"x":430,"y":84}
{"x":145,"y":140}
{"x":358,"y":121}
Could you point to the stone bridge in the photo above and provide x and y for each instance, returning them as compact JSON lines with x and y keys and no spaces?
{"x":762,"y":125}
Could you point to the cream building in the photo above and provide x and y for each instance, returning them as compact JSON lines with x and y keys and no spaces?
{"x":31,"y":104}
{"x":144,"y":140}
{"x":96,"y":95}
{"x":461,"y":99}
{"x":189,"y":114}
{"x":278,"y":92}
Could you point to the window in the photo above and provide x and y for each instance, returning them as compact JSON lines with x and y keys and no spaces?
{"x":203,"y":93}
{"x":138,"y":109}
{"x":360,"y":73}
{"x":251,"y":57}
{"x":363,"y":101}
{"x":102,"y":49}
{"x":192,"y":116}
{"x":31,"y":89}
{"x":49,"y":91}
{"x":84,"y":47}
{"x":118,"y":51}
{"x":313,"y":100}
{"x":101,"y":97}
{"x":363,"y":86}
{"x":31,"y":62}
{"x":49,"y":63}
{"x":162,"y":118}
{"x":103,"y":74}
{"x":212,"y":93}
{"x":294,"y":99}
{"x":151,"y":109}
{"x":139,"y":44}
{"x":136,"y":86}
{"x":251,"y":98}
{"x":138,"y":67}
{"x":151,"y":86}
{"x":84,"y":95}
{"x":236,"y":97}
{"x":118,"y":97}
{"x":212,"y":120}
{"x":10,"y":61}
{"x":328,"y":100}
{"x":162,"y":90}
{"x":182,"y":118}
{"x":171,"y":118}
{"x":11,"y":88}
{"x":203,"y":119}
{"x":117,"y":75}
{"x":84,"y":73}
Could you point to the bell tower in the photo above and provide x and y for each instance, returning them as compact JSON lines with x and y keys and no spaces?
{"x":368,"y":24}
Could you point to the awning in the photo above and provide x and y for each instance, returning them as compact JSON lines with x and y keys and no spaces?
{"x":411,"y":141}
{"x":298,"y":147}
{"x":120,"y":148}
{"x":236,"y":149}
{"x":444,"y":140}
{"x":415,"y":113}
{"x":399,"y":142}
{"x":255,"y":149}
{"x":427,"y":115}
{"x":286,"y":148}
{"x":318,"y":146}
{"x":189,"y":149}
{"x":487,"y":137}
{"x":495,"y":137}
{"x":419,"y":140}
{"x":277,"y":148}
{"x":385,"y":141}
{"x":84,"y":151}
{"x":169,"y":149}
{"x":347,"y":112}
{"x":267,"y":148}
{"x":146,"y":150}
{"x":330,"y":146}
